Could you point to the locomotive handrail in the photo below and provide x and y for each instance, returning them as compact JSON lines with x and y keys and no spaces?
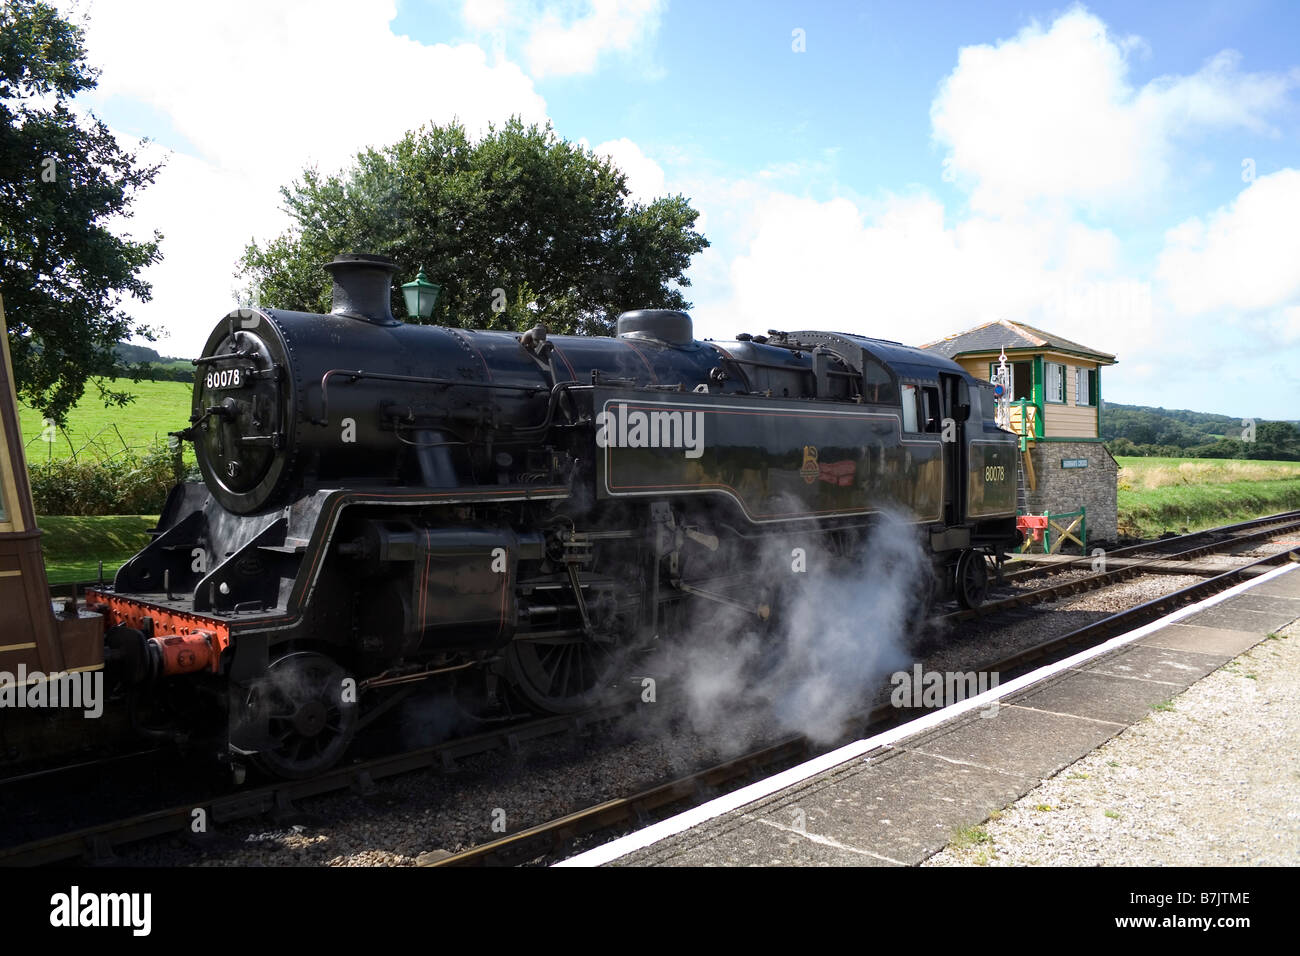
{"x":358,"y":374}
{"x":222,"y":356}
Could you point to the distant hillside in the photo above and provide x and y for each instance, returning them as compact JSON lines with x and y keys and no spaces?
{"x":163,"y":368}
{"x":1178,"y":432}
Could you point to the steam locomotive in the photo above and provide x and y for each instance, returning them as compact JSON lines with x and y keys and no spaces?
{"x":384,"y":503}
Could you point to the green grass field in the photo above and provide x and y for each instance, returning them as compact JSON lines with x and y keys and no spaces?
{"x":1188,"y":494}
{"x":159,"y":408}
{"x":74,"y":546}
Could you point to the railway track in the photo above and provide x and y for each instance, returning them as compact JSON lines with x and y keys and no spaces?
{"x":1212,"y":541}
{"x":1182,"y":547}
{"x":97,"y":843}
{"x":551,"y":840}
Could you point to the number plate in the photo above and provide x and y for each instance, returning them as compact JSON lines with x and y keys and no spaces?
{"x":226,"y":378}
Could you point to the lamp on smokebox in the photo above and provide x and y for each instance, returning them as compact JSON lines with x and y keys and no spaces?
{"x":421,"y":295}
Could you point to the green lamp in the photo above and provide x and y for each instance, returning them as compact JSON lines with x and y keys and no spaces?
{"x":421,"y":295}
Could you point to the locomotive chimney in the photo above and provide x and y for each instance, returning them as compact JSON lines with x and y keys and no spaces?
{"x":363,"y":287}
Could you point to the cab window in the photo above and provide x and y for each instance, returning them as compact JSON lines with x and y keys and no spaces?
{"x":910,"y":415}
{"x":877,"y":383}
{"x":930,"y":417}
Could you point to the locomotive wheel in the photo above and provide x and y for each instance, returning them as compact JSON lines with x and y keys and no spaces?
{"x":972,"y":579}
{"x":557,"y":676}
{"x":308,"y":722}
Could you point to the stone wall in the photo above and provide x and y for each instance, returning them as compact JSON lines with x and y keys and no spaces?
{"x":1061,"y":490}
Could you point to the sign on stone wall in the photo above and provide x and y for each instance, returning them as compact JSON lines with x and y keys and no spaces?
{"x":1074,"y":463}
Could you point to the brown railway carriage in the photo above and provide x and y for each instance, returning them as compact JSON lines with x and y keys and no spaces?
{"x":37,"y":637}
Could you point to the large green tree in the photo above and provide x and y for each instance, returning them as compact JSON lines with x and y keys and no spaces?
{"x":518,"y":226}
{"x":63,"y":180}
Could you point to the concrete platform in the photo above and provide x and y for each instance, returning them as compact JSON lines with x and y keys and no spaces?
{"x":895,"y":799}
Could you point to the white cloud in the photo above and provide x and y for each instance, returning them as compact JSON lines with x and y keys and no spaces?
{"x":901,"y":271}
{"x":1243,"y":257}
{"x":261,"y":90}
{"x":265,"y":87}
{"x":560,"y":44}
{"x":1287,"y":325}
{"x":1040,"y":129}
{"x":645,"y":177}
{"x":485,"y":14}
{"x":206,"y":215}
{"x":1050,"y":116}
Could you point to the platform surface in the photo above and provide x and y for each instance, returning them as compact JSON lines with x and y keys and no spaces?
{"x":899,"y":803}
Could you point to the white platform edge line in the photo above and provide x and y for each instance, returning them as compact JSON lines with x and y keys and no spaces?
{"x":606,"y":853}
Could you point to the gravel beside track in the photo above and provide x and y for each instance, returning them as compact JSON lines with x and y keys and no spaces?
{"x":1213,"y":781}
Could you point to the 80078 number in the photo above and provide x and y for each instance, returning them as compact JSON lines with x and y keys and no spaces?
{"x":995,"y":472}
{"x":226,"y":378}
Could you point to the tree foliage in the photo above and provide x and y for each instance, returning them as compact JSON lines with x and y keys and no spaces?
{"x":517,"y":227}
{"x":63,"y":180}
{"x":1171,"y":433}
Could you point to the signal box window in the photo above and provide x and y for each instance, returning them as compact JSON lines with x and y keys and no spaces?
{"x":1085,"y":386}
{"x":1055,"y":392}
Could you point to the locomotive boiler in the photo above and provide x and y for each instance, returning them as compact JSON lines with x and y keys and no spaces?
{"x":385,"y":503}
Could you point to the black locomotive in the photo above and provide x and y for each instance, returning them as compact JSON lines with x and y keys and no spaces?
{"x":386,"y":502}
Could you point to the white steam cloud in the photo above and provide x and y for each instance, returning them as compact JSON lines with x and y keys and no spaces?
{"x":841,"y":627}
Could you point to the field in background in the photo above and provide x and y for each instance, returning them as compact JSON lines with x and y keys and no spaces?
{"x":97,"y":432}
{"x":74,"y":546}
{"x":1181,"y":494}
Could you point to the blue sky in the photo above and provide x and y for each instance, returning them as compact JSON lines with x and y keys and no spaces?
{"x":1125,"y":175}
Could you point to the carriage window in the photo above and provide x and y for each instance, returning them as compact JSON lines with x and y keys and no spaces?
{"x":909,"y":408}
{"x":4,"y":515}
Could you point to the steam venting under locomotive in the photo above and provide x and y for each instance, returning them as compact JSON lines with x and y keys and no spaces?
{"x":384,"y":503}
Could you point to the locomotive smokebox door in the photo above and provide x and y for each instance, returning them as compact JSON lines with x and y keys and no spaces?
{"x":241,"y":413}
